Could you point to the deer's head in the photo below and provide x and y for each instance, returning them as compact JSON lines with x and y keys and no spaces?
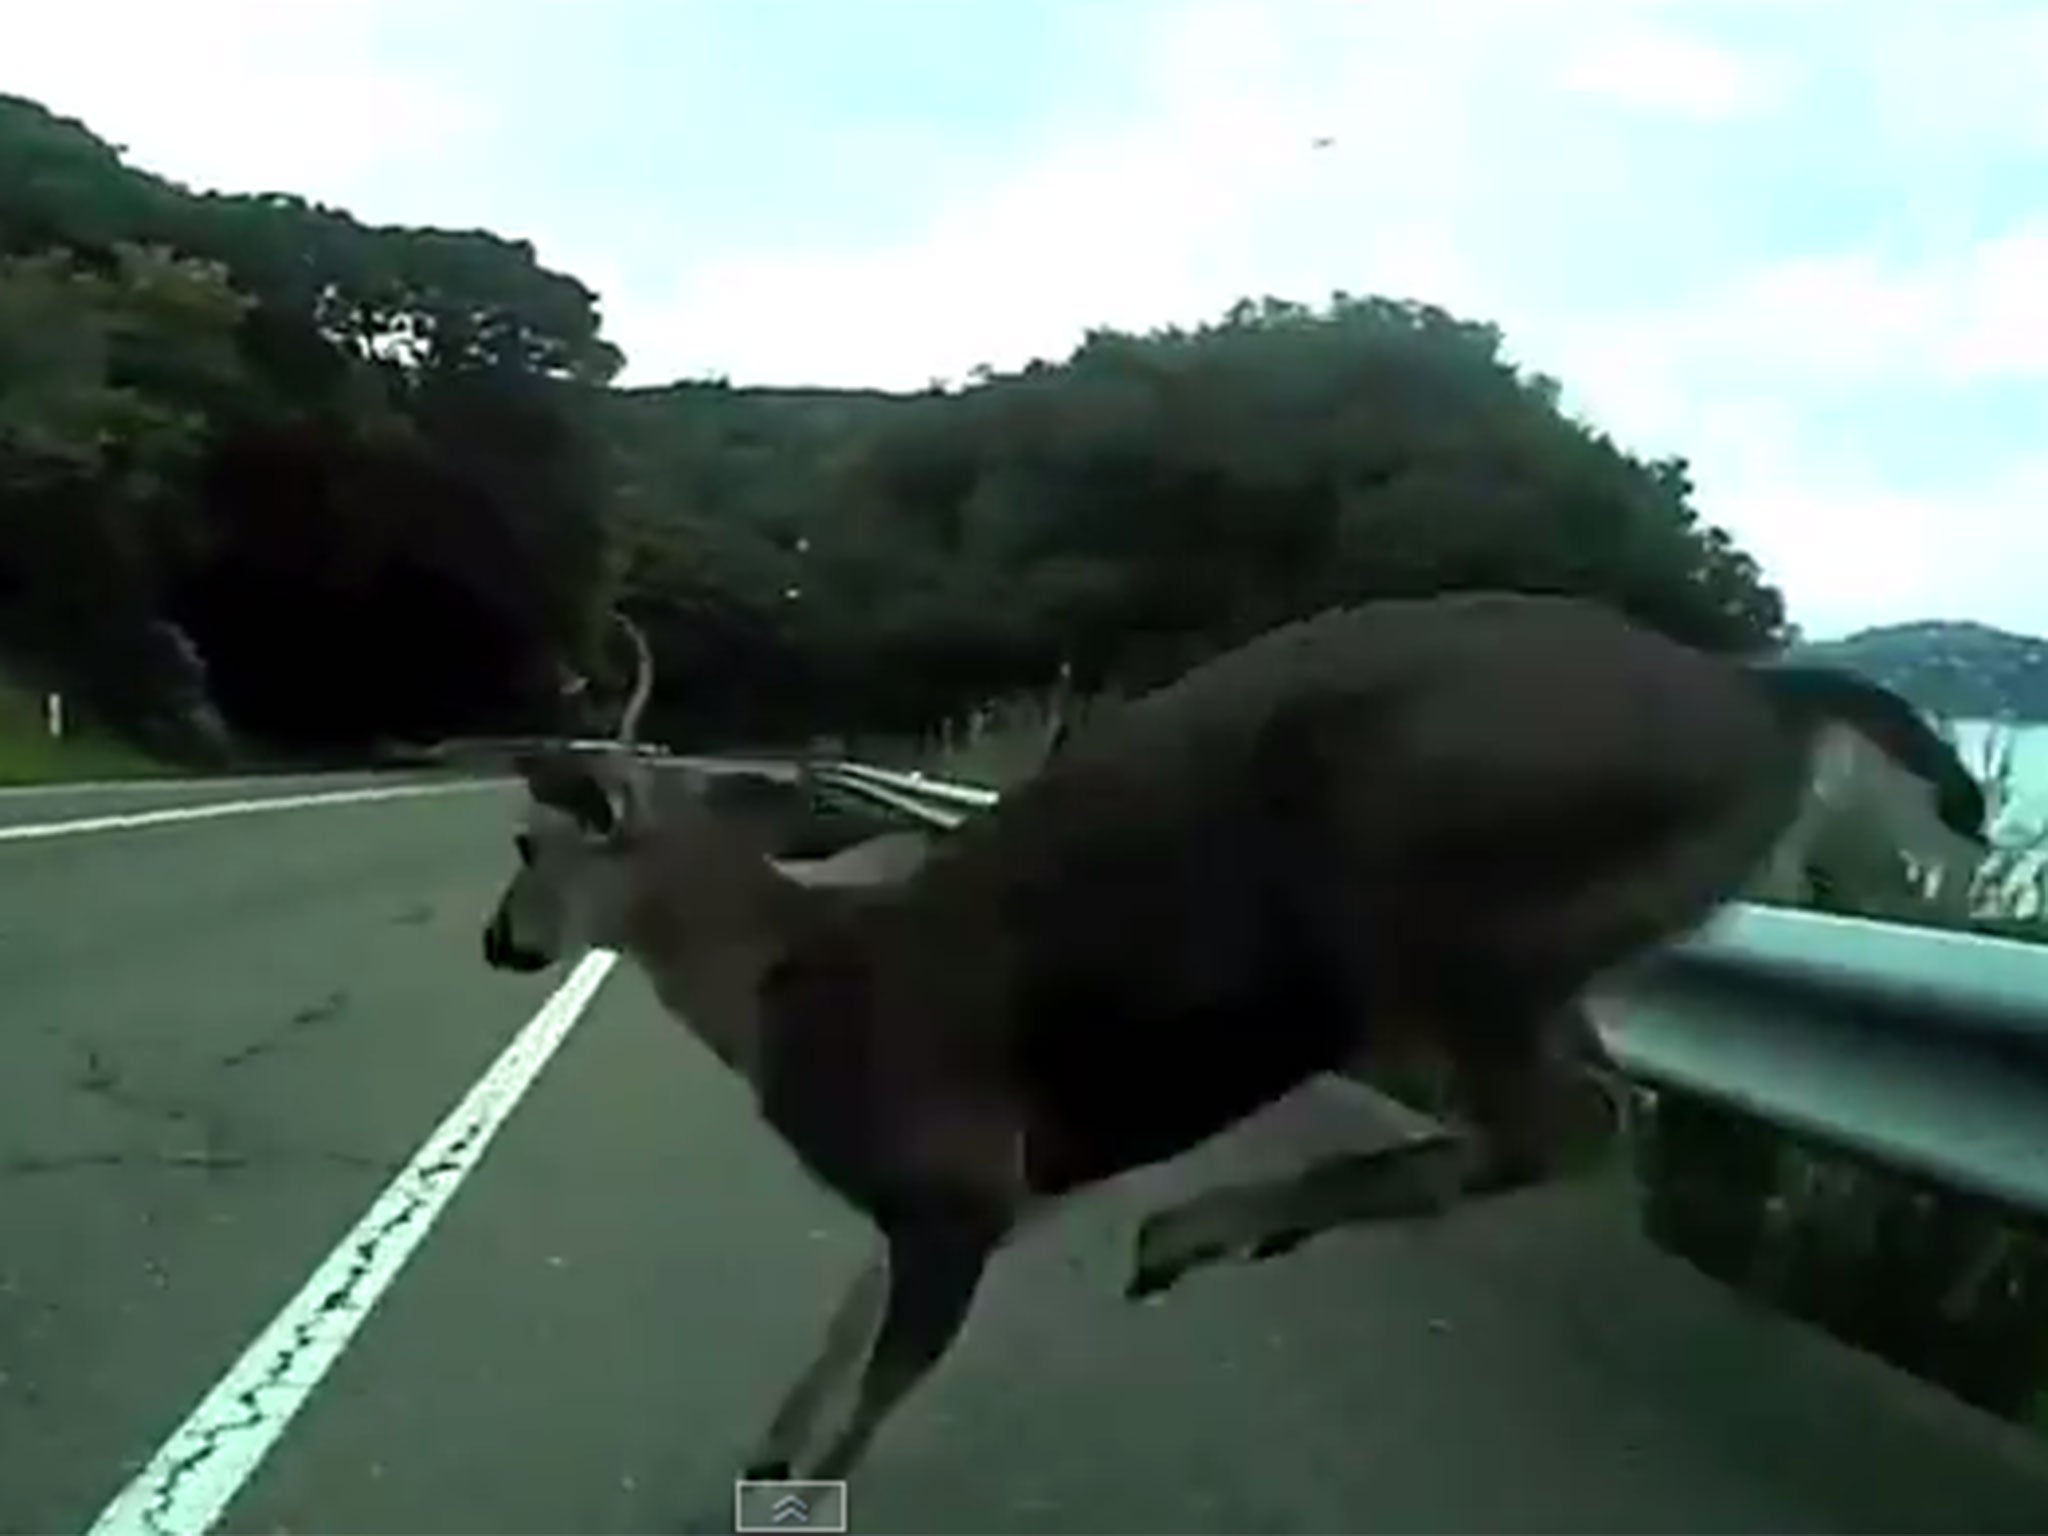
{"x":587,"y":812}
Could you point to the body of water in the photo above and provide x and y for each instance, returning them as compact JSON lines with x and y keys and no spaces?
{"x":2028,"y":805}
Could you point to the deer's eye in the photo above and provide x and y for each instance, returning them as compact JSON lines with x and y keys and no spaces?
{"x":524,"y":844}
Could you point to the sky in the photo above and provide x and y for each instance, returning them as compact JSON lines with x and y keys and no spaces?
{"x":1803,"y":243}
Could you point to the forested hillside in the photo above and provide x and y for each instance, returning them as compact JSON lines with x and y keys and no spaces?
{"x":1963,"y":671}
{"x":369,"y":484}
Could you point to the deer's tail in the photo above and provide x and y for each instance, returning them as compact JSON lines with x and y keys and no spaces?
{"x":1810,"y":697}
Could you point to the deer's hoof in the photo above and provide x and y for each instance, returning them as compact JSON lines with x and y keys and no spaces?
{"x":1149,"y":1284}
{"x":1161,"y":1263}
{"x":708,"y":1521}
{"x":772,"y":1471}
{"x":1278,"y":1243}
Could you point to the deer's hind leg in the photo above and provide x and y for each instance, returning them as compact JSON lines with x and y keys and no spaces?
{"x":1260,"y":1220}
{"x":1522,"y":1088}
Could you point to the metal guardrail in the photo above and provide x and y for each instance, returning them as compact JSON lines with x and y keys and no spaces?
{"x":936,"y":802}
{"x":464,"y":748}
{"x":1922,"y":1049}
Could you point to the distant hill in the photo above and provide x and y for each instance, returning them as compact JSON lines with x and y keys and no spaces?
{"x":1958,"y":670}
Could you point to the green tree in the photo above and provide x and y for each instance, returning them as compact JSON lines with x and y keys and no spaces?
{"x":105,"y":380}
{"x":374,"y":498}
{"x":1156,"y":497}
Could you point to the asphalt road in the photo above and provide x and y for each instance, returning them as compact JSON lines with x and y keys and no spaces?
{"x":220,"y":1039}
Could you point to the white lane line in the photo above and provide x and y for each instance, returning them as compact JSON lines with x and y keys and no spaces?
{"x":30,"y":831}
{"x":190,"y":781}
{"x":213,"y":1454}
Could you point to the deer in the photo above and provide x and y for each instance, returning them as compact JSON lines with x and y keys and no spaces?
{"x":1417,"y":827}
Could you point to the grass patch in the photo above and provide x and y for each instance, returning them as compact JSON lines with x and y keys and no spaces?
{"x":29,"y":755}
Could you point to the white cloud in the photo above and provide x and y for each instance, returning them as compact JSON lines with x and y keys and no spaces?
{"x":1803,"y":334}
{"x":1854,"y":553}
{"x":1209,"y":188}
{"x":1944,"y":76}
{"x":2000,"y":313}
{"x":1665,"y":71}
{"x":1741,"y":380}
{"x":247,"y":95}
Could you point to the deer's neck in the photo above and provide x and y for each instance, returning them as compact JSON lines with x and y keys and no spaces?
{"x":705,"y":927}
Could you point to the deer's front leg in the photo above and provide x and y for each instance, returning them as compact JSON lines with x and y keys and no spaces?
{"x":894,"y":1323}
{"x":847,"y":1339}
{"x":934,"y":1269}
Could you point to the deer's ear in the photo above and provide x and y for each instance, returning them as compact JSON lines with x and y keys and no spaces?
{"x":578,"y":784}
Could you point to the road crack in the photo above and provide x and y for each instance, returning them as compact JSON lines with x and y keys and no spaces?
{"x":31,"y":1163}
{"x":416,"y":1193}
{"x":305,"y":1018}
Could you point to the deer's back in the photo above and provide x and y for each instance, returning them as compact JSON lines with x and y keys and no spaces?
{"x":1496,"y":787}
{"x":1207,"y":896}
{"x":1383,"y":806}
